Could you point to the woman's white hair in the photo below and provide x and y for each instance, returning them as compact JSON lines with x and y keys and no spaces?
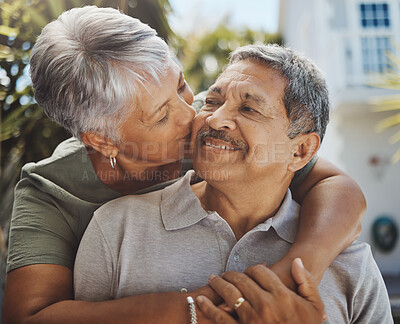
{"x":87,"y":67}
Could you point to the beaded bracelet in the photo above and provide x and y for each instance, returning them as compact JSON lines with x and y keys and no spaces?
{"x":192,"y":308}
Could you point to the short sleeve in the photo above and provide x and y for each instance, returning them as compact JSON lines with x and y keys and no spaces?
{"x":39,"y":231}
{"x":371,"y":303}
{"x":93,"y":271}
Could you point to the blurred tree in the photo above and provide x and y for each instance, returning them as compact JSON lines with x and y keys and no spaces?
{"x":152,"y":12}
{"x":26,"y":134}
{"x":203,"y":56}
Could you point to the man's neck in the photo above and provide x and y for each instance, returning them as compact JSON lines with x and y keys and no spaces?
{"x":243,"y":206}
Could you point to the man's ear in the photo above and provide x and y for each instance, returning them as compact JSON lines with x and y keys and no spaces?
{"x":101,"y":144}
{"x":305,"y":148}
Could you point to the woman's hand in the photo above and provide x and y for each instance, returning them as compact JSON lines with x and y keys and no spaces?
{"x":283,"y":269}
{"x":267,"y":299}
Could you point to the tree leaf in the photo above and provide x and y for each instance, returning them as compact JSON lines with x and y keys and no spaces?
{"x":8,"y":31}
{"x":388,"y":122}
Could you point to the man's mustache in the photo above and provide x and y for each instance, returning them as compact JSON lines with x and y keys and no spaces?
{"x":221,"y":135}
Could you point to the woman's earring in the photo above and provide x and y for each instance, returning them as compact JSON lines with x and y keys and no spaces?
{"x":113,"y":161}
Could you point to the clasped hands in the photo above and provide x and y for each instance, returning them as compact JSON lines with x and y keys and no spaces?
{"x":259,"y":296}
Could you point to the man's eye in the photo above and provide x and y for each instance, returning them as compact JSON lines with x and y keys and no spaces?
{"x":211,"y":102}
{"x":248,"y":109}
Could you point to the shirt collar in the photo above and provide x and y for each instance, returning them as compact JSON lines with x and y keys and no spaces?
{"x":180,"y":207}
{"x":285,"y":221}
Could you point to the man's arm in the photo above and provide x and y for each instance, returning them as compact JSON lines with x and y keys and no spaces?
{"x":332,"y":207}
{"x":43,"y":293}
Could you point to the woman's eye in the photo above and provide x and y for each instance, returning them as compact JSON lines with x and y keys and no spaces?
{"x":163,"y":120}
{"x":182,"y":87}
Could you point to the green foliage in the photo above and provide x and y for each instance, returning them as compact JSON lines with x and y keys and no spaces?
{"x":152,"y":12}
{"x":204,"y":56}
{"x":391,"y":104}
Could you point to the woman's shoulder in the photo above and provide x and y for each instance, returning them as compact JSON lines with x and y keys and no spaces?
{"x":66,"y":165}
{"x":64,"y":152}
{"x":67,"y":174}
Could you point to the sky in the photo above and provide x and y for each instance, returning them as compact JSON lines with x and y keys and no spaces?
{"x":204,"y":15}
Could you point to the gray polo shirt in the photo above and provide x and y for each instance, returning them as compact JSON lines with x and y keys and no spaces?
{"x":164,"y":240}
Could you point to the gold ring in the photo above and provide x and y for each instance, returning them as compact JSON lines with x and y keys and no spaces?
{"x":239,"y":302}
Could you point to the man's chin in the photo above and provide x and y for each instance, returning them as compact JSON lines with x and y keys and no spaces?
{"x":213,"y":175}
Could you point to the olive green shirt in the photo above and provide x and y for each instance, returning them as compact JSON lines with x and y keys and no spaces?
{"x":53,"y":204}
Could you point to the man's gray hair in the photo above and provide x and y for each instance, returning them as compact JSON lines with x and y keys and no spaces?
{"x":306,"y":97}
{"x":87,"y":66}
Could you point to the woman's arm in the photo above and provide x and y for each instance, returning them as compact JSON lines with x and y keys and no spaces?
{"x":42,"y":294}
{"x":332,"y":207}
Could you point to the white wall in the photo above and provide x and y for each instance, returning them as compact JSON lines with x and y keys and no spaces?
{"x":353,"y":142}
{"x":310,"y":27}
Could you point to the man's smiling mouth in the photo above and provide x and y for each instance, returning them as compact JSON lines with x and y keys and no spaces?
{"x":219,"y":140}
{"x":209,"y":142}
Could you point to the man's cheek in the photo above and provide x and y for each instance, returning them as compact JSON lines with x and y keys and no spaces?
{"x":198,"y":123}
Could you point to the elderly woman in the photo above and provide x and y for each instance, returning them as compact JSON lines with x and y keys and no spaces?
{"x":110,"y":81}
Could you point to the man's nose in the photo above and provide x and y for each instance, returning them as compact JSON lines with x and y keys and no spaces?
{"x":222,"y":119}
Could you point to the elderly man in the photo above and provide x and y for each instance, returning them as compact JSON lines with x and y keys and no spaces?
{"x":263,"y":120}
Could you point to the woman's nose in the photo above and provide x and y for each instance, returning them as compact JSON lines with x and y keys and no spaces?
{"x":186,"y":114}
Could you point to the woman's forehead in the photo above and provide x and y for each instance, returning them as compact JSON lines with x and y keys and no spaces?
{"x":155,"y":95}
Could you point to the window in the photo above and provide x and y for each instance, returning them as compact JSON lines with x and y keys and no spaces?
{"x":374,"y":53}
{"x":374,"y":15}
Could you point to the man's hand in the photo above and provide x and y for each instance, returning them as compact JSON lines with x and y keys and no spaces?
{"x":267,"y":299}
